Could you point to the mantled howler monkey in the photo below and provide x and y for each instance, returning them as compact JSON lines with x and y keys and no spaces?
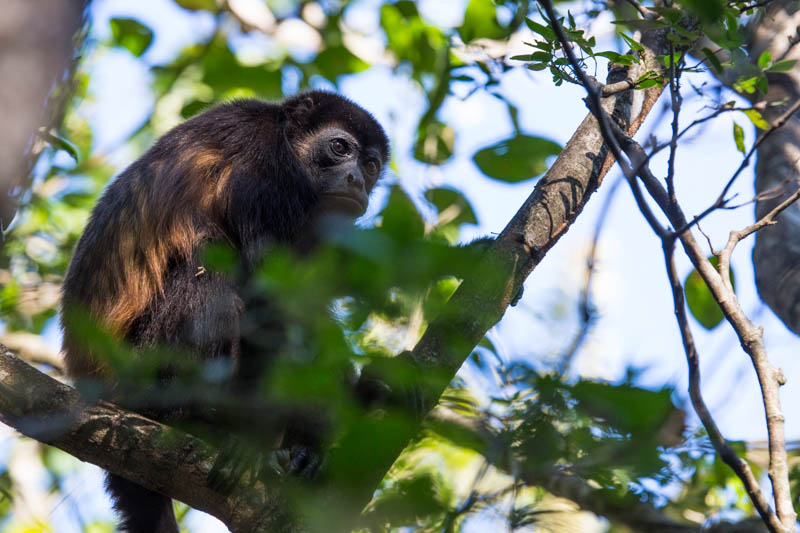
{"x":245,"y":173}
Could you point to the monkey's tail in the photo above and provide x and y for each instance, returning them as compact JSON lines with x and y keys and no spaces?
{"x":141,"y":510}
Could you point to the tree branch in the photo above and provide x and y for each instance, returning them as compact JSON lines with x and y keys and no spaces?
{"x":751,"y":337}
{"x":554,"y":204}
{"x":151,"y":454}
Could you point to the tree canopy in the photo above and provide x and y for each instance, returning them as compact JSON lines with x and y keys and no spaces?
{"x":579,"y":409}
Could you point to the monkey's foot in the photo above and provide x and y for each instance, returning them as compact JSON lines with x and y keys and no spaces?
{"x":300,"y":461}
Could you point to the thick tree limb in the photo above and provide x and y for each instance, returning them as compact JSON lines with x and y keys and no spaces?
{"x":477,"y":305}
{"x":776,"y":256}
{"x":125,"y":443}
{"x":546,"y":215}
{"x":35,"y":48}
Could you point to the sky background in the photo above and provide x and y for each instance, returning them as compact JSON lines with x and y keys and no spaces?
{"x":636,"y":327}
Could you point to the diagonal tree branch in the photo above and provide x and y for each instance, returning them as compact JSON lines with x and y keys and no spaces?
{"x":154,"y":455}
{"x":546,"y":215}
{"x":477,"y":305}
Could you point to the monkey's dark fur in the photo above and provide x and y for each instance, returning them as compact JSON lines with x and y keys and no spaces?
{"x":245,"y":173}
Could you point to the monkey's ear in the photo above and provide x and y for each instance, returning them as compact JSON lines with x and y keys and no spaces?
{"x":306,"y":104}
{"x":300,"y":107}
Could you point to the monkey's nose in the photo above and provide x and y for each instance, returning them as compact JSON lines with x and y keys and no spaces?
{"x":355,"y":181}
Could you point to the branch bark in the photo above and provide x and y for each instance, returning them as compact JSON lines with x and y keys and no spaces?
{"x":776,"y":255}
{"x":751,"y":337}
{"x":156,"y":456}
{"x":556,"y":201}
{"x":102,"y":434}
{"x":35,"y":48}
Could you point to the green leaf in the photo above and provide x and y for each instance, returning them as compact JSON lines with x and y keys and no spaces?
{"x":60,"y":143}
{"x":738,"y":137}
{"x":411,"y":39}
{"x":712,"y":60}
{"x":131,"y":35}
{"x":452,"y":200}
{"x":745,"y":85}
{"x":400,"y":218}
{"x":630,"y":410}
{"x":707,"y":11}
{"x":435,"y":141}
{"x":636,"y":47}
{"x":641,"y":24}
{"x":782,"y":66}
{"x":701,"y":303}
{"x":545,"y":31}
{"x":337,"y":60}
{"x":673,"y":15}
{"x":515,"y":159}
{"x":195,"y":5}
{"x":764,"y":59}
{"x":193,"y":108}
{"x":762,"y":85}
{"x":756,"y":118}
{"x":480,"y":21}
{"x":224,"y":74}
{"x":618,"y":59}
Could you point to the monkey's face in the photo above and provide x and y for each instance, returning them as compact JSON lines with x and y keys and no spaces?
{"x":344,"y":172}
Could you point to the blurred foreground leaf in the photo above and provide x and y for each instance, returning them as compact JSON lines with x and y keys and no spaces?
{"x":517,"y":158}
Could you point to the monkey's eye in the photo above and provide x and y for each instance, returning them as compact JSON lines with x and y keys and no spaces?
{"x":340,"y":147}
{"x":372,"y":167}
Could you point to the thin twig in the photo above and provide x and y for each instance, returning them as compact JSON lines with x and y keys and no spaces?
{"x":595,"y":107}
{"x":643,"y":11}
{"x":736,"y":236}
{"x":676,"y":99}
{"x":749,"y":335}
{"x":721,"y":201}
{"x":721,"y":446}
{"x":724,"y":109}
{"x":752,"y":341}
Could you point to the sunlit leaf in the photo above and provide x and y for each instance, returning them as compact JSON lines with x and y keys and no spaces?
{"x":701,"y":303}
{"x":756,"y":118}
{"x":738,"y":137}
{"x":764,"y":59}
{"x":453,"y":202}
{"x":131,"y":35}
{"x":784,"y":65}
{"x":194,"y":5}
{"x":480,"y":21}
{"x":224,"y":74}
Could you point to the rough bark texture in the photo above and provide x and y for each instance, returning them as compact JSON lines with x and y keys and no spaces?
{"x":125,"y":443}
{"x":776,"y":256}
{"x":557,"y":200}
{"x":35,"y":48}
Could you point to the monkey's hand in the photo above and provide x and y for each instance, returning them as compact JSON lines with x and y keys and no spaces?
{"x":298,"y":460}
